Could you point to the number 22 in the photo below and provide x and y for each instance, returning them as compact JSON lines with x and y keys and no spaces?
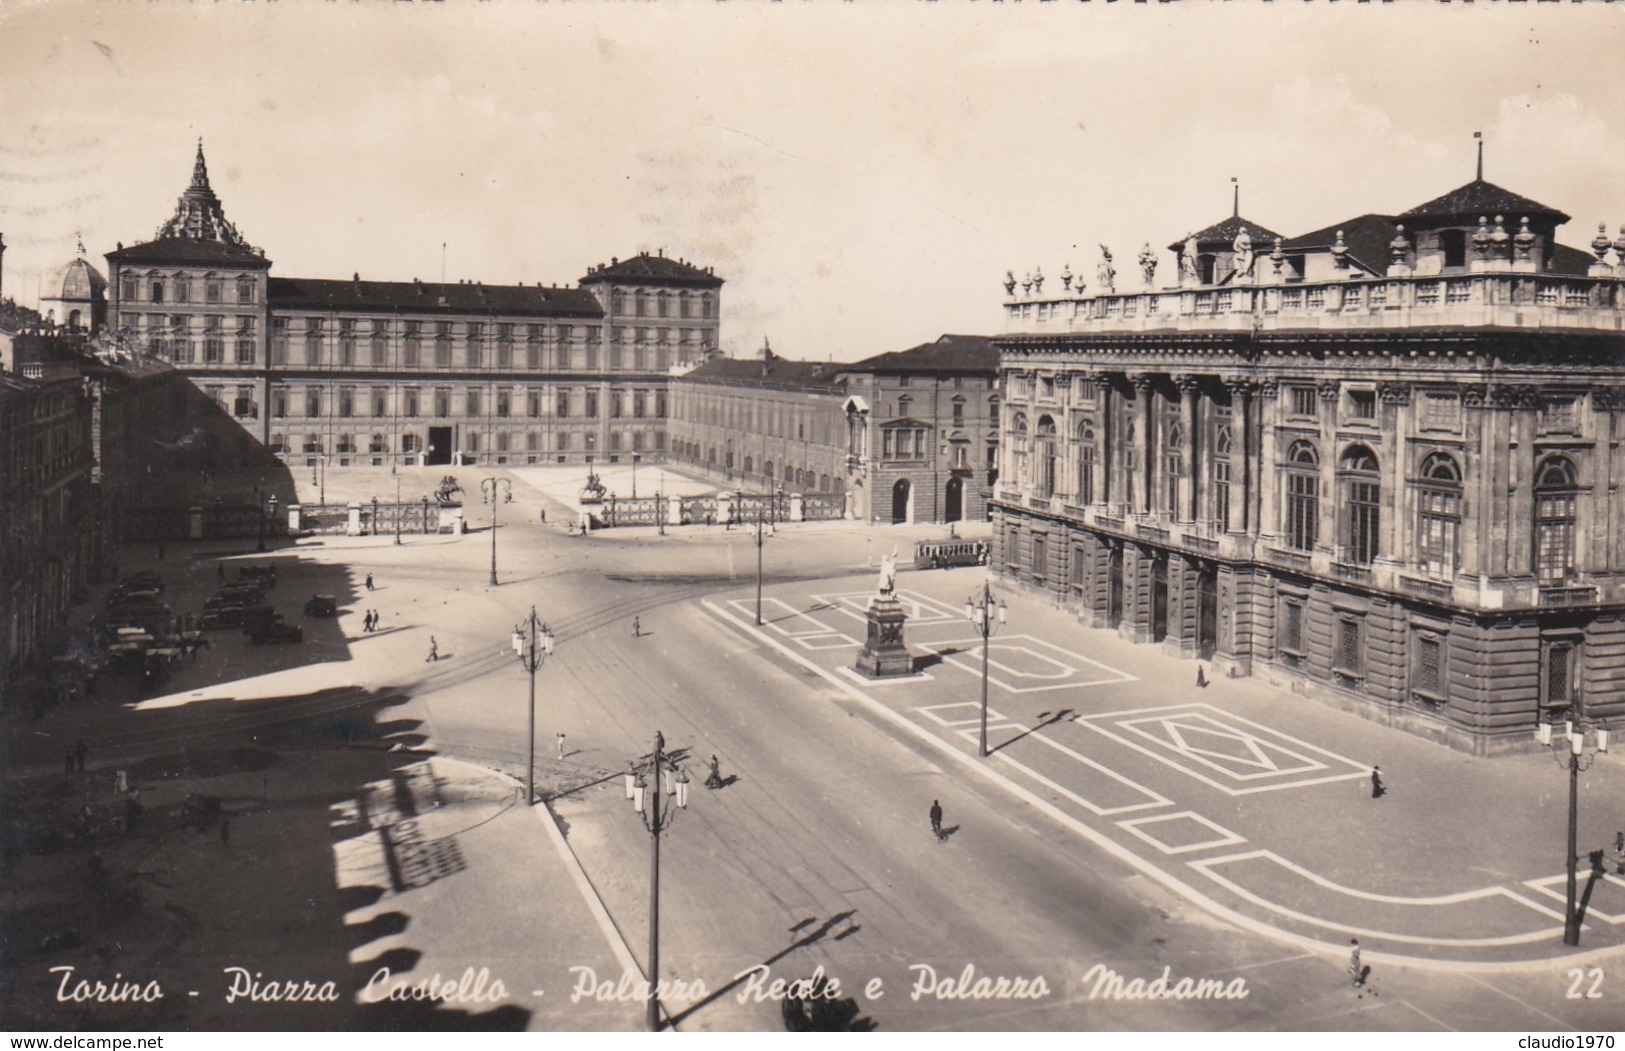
{"x":1579,"y":976}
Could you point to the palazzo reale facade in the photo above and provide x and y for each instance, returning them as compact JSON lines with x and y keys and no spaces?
{"x":335,"y":373}
{"x":1378,"y":463}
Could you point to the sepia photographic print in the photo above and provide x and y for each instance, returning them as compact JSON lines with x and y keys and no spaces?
{"x":748,"y":518}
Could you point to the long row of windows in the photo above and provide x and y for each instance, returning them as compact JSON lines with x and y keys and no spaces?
{"x":503,"y":402}
{"x":180,"y":288}
{"x":645,"y":303}
{"x":472,"y":440}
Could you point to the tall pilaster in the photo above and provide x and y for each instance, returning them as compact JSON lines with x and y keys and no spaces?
{"x":1188,"y":388}
{"x":1141,"y":486}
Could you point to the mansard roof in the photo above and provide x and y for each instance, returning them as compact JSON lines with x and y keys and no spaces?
{"x":1482,"y":198}
{"x":646,"y":269}
{"x":945,"y":354}
{"x":421,"y":297}
{"x":1225,"y":230}
{"x":1366,"y":237}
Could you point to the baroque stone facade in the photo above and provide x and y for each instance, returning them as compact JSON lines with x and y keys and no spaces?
{"x":1391,"y":483}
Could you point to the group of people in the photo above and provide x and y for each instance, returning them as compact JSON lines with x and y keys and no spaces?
{"x":369,"y":623}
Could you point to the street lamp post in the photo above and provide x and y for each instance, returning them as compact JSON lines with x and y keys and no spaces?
{"x":532,"y":644}
{"x":373,"y":530}
{"x":397,"y":510}
{"x":259,"y":546}
{"x":1573,"y":755}
{"x":644,"y":780}
{"x":761,"y":538}
{"x":986,"y":618}
{"x":635,"y":459}
{"x":495,"y":484}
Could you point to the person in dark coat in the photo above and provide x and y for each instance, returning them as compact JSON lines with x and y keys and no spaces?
{"x":1378,"y":789}
{"x":67,"y":761}
{"x":369,"y":581}
{"x":936,"y":818}
{"x":79,"y":754}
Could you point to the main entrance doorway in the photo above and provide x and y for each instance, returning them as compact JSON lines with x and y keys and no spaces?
{"x":439,"y":446}
{"x":1114,"y":588}
{"x":1207,"y":612}
{"x":954,"y":500}
{"x":900,"y":502}
{"x":1159,"y":599}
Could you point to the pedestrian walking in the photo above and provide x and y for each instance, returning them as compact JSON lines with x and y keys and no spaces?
{"x":160,"y":552}
{"x":367,"y":621}
{"x":1356,"y":970}
{"x":220,"y":571}
{"x":434,"y":650}
{"x":79,"y":753}
{"x":1619,"y":853}
{"x":714,"y":779}
{"x":936,"y":819}
{"x":560,"y":739}
{"x":637,"y":628}
{"x":1378,"y":789}
{"x":67,"y":761}
{"x":1201,"y":678}
{"x":369,"y":581}
{"x":225,"y":832}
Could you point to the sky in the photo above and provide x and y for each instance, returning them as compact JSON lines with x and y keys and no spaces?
{"x":861,"y":174}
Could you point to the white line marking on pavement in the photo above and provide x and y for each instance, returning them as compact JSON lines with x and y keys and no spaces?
{"x":1547,"y":885}
{"x":1226,"y":838}
{"x":1483,"y":893}
{"x":931,"y":710}
{"x":973,"y":766}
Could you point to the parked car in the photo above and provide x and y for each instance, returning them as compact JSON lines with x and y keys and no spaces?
{"x":257,"y":576}
{"x":322,"y":606}
{"x":144,"y":579}
{"x":223,"y":617}
{"x":240,"y":593}
{"x":277,"y":632}
{"x":259,"y":617}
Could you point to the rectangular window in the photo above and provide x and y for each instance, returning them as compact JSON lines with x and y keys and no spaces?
{"x":442,"y":401}
{"x":533,"y":402}
{"x":1362,"y":405}
{"x":639,"y":402}
{"x":1349,"y":656}
{"x":591,"y":411}
{"x":279,"y":402}
{"x":1441,"y":410}
{"x":313,"y":402}
{"x":1557,"y":674}
{"x":412,"y":406}
{"x":561,"y":406}
{"x":1427,"y":666}
{"x":474,"y":406}
{"x":1305,"y":402}
{"x":1291,"y":627}
{"x":380,"y":401}
{"x":504,"y":402}
{"x":346,"y":401}
{"x":1040,"y":558}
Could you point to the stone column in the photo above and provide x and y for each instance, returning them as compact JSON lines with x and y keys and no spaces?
{"x":797,"y":510}
{"x":674,"y":510}
{"x":1188,"y":488}
{"x":1242,"y":468}
{"x":1267,"y":491}
{"x":1140,"y":488}
{"x":194,"y":523}
{"x":1328,"y":467}
{"x":352,"y":527}
{"x":294,"y":520}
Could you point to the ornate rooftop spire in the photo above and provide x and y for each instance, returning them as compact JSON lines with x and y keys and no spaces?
{"x":198,"y":215}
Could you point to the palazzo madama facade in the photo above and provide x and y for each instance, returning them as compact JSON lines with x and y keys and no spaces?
{"x":1378,"y":463}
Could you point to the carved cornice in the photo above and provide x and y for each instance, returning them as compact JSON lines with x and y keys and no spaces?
{"x":1395,"y":393}
{"x":1328,"y":390}
{"x":1474,"y":397}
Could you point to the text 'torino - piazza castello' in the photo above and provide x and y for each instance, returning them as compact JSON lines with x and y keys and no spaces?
{"x":1377,"y":462}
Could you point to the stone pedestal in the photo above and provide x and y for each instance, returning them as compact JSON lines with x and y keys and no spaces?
{"x":884,"y":654}
{"x":194,"y":523}
{"x":295,"y":519}
{"x":352,"y":525}
{"x":674,"y":510}
{"x":798,"y":510}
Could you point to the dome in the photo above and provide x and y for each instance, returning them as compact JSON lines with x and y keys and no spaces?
{"x":78,"y":281}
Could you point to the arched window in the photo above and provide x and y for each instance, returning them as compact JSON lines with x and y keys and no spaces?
{"x":1046,"y":457}
{"x":1173,"y":463}
{"x":1302,"y":470}
{"x":1438,"y":507}
{"x":1362,"y":504}
{"x":1556,"y":486}
{"x":1222,"y":442}
{"x":1088,"y":453}
{"x":1018,"y":448}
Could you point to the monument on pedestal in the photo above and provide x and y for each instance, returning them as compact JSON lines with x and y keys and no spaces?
{"x":884,"y":654}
